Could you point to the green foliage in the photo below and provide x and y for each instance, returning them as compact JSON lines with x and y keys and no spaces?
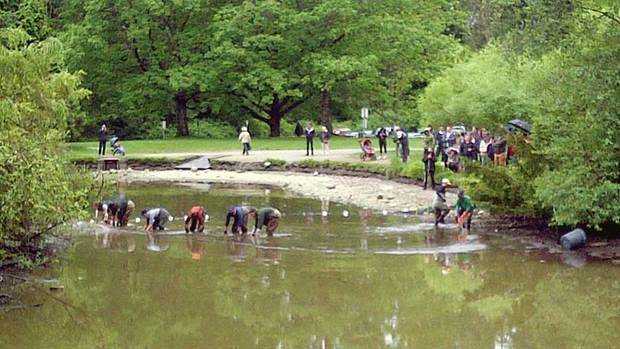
{"x":483,"y":91}
{"x":38,"y":189}
{"x":576,"y":126}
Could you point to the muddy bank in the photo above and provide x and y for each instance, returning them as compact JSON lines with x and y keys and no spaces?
{"x":374,"y":193}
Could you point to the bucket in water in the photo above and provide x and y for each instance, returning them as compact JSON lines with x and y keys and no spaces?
{"x":574,"y":239}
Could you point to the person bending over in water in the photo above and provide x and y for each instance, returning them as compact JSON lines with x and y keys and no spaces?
{"x":125,"y":208}
{"x":239,"y":216}
{"x":267,"y":216}
{"x":155,"y":218}
{"x":439,"y":202}
{"x":195,"y":218}
{"x":108,"y":209}
{"x":464,"y":210}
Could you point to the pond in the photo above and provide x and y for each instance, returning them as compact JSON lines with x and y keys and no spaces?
{"x":361,"y":281}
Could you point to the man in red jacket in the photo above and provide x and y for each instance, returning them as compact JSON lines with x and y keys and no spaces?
{"x":195,"y":217}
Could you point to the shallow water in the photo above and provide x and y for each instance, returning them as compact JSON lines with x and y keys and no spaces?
{"x":362,"y":281}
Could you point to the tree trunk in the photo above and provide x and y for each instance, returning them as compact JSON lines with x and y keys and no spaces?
{"x":274,"y":123}
{"x":326,"y":112}
{"x":180,"y":100}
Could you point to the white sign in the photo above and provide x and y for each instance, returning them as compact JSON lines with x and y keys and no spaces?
{"x":163,"y":124}
{"x":364,"y":113}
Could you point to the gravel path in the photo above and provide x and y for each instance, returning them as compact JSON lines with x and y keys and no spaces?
{"x":362,"y":192}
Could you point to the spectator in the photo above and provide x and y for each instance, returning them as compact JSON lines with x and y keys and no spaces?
{"x":468,"y":148}
{"x":454,"y":163}
{"x":450,"y":137}
{"x":245,"y":138}
{"x":103,"y":138}
{"x":309,"y":131}
{"x":382,"y":135}
{"x":325,"y":136}
{"x":429,"y":166}
{"x":429,"y":140}
{"x":499,"y":151}
{"x":403,"y":140}
{"x":483,"y":148}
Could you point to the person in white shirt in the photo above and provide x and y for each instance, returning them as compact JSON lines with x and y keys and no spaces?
{"x":245,"y":139}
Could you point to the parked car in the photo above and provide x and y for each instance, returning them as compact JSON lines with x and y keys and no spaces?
{"x":459,"y":128}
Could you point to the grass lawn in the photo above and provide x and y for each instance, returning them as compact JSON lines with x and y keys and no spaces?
{"x":138,"y":148}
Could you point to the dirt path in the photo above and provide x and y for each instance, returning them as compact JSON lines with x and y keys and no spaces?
{"x":350,"y":155}
{"x":372,"y":193}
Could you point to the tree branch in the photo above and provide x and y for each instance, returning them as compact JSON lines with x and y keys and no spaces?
{"x":604,"y":13}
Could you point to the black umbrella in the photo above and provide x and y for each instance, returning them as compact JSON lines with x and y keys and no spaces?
{"x":518,"y":125}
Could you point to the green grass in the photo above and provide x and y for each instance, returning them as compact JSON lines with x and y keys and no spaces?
{"x":139,"y":148}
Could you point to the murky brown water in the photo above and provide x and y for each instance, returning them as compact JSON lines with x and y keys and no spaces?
{"x":324,"y":282}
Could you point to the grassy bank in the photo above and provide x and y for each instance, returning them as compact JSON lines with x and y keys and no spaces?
{"x":137,"y":149}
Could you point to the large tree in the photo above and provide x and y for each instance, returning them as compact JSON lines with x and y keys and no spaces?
{"x":144,"y":59}
{"x":270,"y":56}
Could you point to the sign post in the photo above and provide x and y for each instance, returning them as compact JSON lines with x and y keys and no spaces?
{"x":364,"y":118}
{"x":163,"y":129}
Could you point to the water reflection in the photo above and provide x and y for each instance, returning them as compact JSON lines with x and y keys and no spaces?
{"x":288,"y":293}
{"x":195,"y":245}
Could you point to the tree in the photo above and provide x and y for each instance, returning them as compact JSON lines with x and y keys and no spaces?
{"x":271,"y":57}
{"x":144,"y":59}
{"x":38,"y":188}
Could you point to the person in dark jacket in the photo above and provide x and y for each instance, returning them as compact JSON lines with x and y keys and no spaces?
{"x":299,"y":130}
{"x":309,"y":139}
{"x":103,"y":138}
{"x":268,"y":217}
{"x":125,"y":208}
{"x":382,"y":135}
{"x":429,"y":166}
{"x":403,"y":140}
{"x":239,"y":216}
{"x":469,"y":149}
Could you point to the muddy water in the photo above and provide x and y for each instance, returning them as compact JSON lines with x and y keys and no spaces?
{"x":362,"y":281}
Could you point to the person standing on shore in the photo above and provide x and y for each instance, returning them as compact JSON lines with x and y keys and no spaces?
{"x":325,"y":136}
{"x":245,"y":139}
{"x":382,"y":135}
{"x":103,"y":138}
{"x":309,"y":139}
{"x":429,"y":160}
{"x":402,"y":139}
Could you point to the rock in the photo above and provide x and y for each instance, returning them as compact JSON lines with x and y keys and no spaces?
{"x":267,"y":164}
{"x":345,"y":213}
{"x":194,"y":169}
{"x":390,"y":198}
{"x":331,"y":186}
{"x":616,"y":261}
{"x":316,"y":173}
{"x":379,"y":196}
{"x":599,"y":244}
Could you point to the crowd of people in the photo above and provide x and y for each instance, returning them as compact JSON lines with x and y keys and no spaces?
{"x":117,"y":210}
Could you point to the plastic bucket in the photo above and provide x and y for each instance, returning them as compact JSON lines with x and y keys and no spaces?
{"x":573,"y":239}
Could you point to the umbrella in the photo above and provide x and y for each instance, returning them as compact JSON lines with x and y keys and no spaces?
{"x":518,"y":125}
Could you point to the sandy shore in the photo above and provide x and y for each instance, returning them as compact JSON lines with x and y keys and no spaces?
{"x":373,"y":193}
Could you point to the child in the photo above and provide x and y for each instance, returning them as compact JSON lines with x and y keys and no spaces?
{"x":325,"y":140}
{"x":245,"y":138}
